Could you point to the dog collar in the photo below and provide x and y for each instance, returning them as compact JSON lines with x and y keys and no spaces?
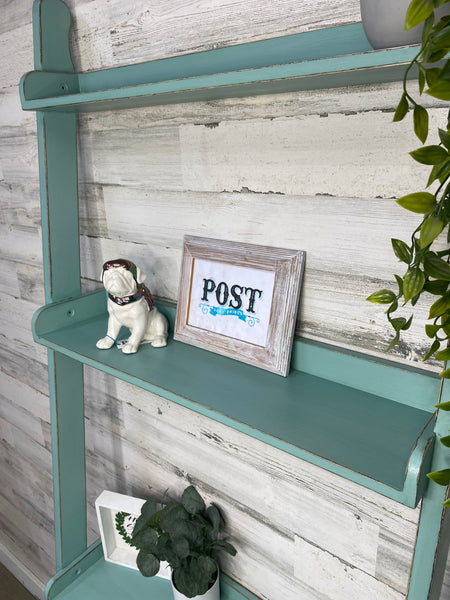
{"x":142,"y":292}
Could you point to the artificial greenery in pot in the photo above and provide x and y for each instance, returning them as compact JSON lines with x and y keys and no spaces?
{"x":186,"y":535}
{"x":427,"y":266}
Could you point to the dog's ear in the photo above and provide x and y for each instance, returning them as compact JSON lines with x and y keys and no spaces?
{"x":140,"y":276}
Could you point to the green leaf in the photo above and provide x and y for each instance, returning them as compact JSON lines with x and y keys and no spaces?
{"x":430,"y":230}
{"x":225,"y":546}
{"x":441,"y":172}
{"x":192,"y":501}
{"x":441,"y":39}
{"x":398,"y":323}
{"x":399,"y":281}
{"x":149,"y":508}
{"x":432,"y":75}
{"x":437,"y":287}
{"x":445,"y":441}
{"x":422,"y":81}
{"x":436,"y":267}
{"x":429,"y":155}
{"x":431,"y":330}
{"x":407,"y":325}
{"x":433,"y":348}
{"x":443,"y":406}
{"x":443,"y":354}
{"x":445,"y":374}
{"x":393,"y":307}
{"x":427,"y":27}
{"x":382,"y":297}
{"x":418,"y":11}
{"x":146,"y":539}
{"x":420,"y":119}
{"x":444,"y":136}
{"x":147,"y":563}
{"x":215,"y":517}
{"x":172,"y":513}
{"x":394,"y":342}
{"x":444,"y":74}
{"x":180,"y":546}
{"x":440,"y":89}
{"x":401,"y":250}
{"x":418,"y":202}
{"x":402,"y":109}
{"x":441,"y":306}
{"x":413,"y":283}
{"x":435,"y":55}
{"x":207,"y":566}
{"x":440,"y":477}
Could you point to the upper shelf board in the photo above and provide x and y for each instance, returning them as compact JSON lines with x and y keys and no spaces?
{"x":324,"y":58}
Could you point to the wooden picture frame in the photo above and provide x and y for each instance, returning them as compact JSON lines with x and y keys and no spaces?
{"x":240,"y":300}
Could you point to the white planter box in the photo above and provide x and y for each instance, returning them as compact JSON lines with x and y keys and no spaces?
{"x":115,"y":549}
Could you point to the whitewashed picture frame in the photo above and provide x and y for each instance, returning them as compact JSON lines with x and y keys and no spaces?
{"x":240,"y":300}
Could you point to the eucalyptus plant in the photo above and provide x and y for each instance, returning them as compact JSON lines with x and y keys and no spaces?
{"x":427,"y":266}
{"x":185,"y":534}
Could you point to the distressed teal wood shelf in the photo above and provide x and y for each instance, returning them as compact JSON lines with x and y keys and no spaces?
{"x":90,"y":577}
{"x":325,"y":58}
{"x":378,"y":442}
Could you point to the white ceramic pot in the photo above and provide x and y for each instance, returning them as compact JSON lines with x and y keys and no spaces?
{"x":384,"y":23}
{"x":212,"y":594}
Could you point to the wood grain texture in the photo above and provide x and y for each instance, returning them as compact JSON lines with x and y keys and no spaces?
{"x":155,"y":30}
{"x":304,"y":170}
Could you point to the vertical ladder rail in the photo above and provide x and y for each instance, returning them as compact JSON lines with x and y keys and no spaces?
{"x":433,"y":534}
{"x":60,"y":241}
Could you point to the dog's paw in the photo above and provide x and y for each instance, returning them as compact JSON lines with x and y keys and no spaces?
{"x":159,"y":342}
{"x":130,"y":348}
{"x":105,"y":343}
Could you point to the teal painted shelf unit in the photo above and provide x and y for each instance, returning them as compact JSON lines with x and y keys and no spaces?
{"x":370,"y":421}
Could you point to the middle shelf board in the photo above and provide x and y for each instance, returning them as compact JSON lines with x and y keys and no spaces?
{"x":367,"y":438}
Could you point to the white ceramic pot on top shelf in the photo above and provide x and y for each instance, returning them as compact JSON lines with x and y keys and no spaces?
{"x":384,"y":23}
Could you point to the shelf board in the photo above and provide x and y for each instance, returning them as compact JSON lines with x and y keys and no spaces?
{"x":90,"y":577}
{"x":367,"y":438}
{"x":325,"y":58}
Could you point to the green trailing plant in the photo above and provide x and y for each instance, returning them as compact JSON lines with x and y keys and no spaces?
{"x":185,"y":534}
{"x":427,"y":266}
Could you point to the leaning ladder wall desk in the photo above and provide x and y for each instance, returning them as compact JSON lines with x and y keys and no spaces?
{"x":386,"y":413}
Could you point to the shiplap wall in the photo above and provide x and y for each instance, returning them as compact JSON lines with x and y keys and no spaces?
{"x":315,"y":171}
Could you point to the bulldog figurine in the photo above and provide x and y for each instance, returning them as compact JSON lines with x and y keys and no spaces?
{"x":131,"y":305}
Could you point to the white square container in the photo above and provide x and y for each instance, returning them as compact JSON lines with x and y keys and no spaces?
{"x":115,"y":549}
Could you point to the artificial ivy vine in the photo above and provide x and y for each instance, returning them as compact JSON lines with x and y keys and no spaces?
{"x":428,"y":269}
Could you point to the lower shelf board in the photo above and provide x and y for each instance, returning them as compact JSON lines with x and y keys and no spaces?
{"x":91,"y":577}
{"x":367,"y":438}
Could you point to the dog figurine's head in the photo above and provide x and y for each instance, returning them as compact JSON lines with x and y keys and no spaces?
{"x":121,"y":277}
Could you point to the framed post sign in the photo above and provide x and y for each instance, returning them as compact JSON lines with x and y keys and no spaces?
{"x":240,"y":300}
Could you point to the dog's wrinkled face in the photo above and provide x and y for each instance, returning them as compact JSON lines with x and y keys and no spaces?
{"x":119,"y":281}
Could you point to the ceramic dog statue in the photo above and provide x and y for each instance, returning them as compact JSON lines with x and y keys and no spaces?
{"x":131,"y":305}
